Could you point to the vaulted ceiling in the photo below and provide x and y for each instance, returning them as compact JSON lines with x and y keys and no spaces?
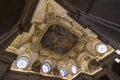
{"x":59,"y":39}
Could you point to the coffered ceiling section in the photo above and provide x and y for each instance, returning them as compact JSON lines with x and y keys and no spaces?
{"x":57,"y":46}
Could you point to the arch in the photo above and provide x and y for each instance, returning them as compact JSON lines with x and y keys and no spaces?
{"x":93,"y":65}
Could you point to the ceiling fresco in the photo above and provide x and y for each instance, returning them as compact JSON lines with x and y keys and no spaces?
{"x":59,"y":39}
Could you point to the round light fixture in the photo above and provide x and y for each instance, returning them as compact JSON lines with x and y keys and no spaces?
{"x":22,"y":62}
{"x":46,"y":68}
{"x":63,"y":72}
{"x":73,"y":69}
{"x":101,"y":48}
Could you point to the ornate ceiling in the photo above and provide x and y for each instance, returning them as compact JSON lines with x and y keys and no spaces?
{"x":57,"y":46}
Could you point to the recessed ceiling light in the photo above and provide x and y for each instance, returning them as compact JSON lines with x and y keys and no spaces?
{"x":22,"y":62}
{"x":101,"y":48}
{"x":46,"y":68}
{"x":63,"y":72}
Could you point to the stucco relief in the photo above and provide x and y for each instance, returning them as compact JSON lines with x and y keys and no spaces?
{"x":33,"y":45}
